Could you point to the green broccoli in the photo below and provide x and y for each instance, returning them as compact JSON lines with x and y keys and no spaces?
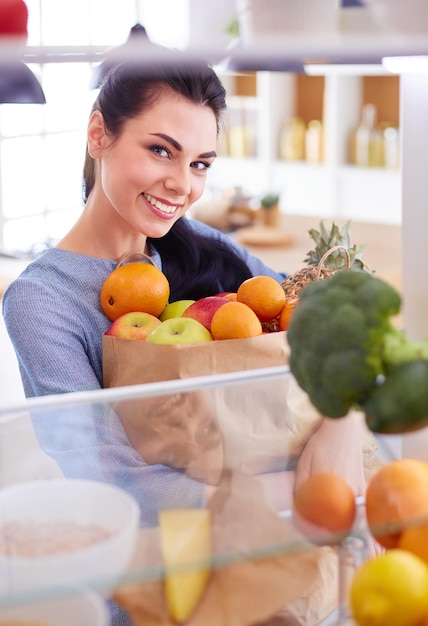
{"x":343,"y":342}
{"x":400,"y":403}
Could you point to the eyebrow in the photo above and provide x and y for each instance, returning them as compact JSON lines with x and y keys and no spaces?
{"x":179,"y":147}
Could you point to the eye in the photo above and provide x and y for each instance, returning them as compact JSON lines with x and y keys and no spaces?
{"x":160,"y":150}
{"x":200,"y":165}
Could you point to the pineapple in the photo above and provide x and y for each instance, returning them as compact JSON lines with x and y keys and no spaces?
{"x":332,"y":252}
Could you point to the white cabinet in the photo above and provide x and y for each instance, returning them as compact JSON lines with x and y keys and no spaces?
{"x":333,"y":188}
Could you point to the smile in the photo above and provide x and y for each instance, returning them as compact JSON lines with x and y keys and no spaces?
{"x":167,"y":405}
{"x":161,"y":206}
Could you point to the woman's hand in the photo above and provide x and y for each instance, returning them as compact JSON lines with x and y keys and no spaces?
{"x":336,"y":446}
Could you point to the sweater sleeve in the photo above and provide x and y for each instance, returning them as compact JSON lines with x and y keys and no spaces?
{"x":49,"y":340}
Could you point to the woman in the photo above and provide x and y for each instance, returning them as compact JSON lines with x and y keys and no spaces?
{"x":151,"y":140}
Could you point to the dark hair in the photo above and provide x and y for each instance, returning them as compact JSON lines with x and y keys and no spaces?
{"x":195,"y":265}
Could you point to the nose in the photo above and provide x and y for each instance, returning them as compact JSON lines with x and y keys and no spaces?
{"x":179,"y":179}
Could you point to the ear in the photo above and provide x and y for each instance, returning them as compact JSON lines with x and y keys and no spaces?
{"x":96,"y":134}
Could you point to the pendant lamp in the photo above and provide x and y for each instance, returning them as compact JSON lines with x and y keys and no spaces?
{"x":137,"y":35}
{"x":17,"y":82}
{"x":18,"y":85}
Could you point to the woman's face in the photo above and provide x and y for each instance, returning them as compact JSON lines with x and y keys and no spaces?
{"x":178,"y":430}
{"x":156,"y":169}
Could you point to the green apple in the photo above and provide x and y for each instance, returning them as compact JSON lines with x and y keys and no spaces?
{"x":175,"y":309}
{"x":179,"y":330}
{"x":133,"y":325}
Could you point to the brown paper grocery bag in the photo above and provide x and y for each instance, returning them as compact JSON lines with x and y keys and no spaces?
{"x":192,"y":431}
{"x":131,"y":362}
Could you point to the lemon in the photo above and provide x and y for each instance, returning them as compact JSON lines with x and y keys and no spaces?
{"x":390,"y":590}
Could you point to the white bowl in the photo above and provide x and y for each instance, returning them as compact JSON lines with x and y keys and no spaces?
{"x":67,"y":510}
{"x":406,"y":17}
{"x":80,"y":608}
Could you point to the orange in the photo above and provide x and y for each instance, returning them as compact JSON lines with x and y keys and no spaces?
{"x":324,"y":504}
{"x":396,"y":494}
{"x":264,"y":295}
{"x":134,"y":286}
{"x":286,"y":314}
{"x":415,"y":539}
{"x":231,"y":296}
{"x":235,"y":320}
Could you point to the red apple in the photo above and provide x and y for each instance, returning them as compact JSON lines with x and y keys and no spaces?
{"x":133,"y":325}
{"x":203,"y":309}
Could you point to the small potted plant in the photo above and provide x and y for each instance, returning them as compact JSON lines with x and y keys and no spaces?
{"x":270,"y":209}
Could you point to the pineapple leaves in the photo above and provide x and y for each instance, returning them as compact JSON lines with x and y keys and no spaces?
{"x":325,"y":239}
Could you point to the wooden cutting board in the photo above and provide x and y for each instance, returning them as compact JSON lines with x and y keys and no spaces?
{"x":264,"y":236}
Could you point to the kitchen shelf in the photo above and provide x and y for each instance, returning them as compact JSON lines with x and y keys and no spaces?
{"x":259,"y":106}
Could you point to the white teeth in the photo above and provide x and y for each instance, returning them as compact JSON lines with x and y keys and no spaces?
{"x":165,"y":208}
{"x":166,"y":405}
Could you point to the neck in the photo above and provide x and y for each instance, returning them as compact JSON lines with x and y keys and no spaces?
{"x":104,"y":234}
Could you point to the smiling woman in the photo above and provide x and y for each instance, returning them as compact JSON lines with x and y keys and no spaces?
{"x":151,"y":138}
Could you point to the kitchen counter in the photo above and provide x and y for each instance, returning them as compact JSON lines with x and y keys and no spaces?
{"x":382,"y":251}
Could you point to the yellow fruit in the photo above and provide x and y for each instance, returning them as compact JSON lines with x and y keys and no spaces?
{"x":235,"y":320}
{"x":134,"y":286}
{"x":390,"y":590}
{"x":187,"y":550}
{"x":263,"y":295}
{"x":324,"y":502}
{"x":396,"y":494}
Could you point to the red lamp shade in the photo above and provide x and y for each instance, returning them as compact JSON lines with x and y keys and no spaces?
{"x":13,"y":18}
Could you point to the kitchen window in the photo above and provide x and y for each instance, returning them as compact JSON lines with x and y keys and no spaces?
{"x":42,"y":146}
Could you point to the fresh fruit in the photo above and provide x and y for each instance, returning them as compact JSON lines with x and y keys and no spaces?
{"x":133,"y":325}
{"x":134,"y":286}
{"x":264,"y":295}
{"x":286,"y":314}
{"x":334,"y":242}
{"x":333,"y":252}
{"x":187,"y":551}
{"x":390,"y":590}
{"x":230,"y":295}
{"x":179,"y":330}
{"x":396,"y":494}
{"x":203,"y":309}
{"x":324,"y":504}
{"x":235,"y":320}
{"x":414,"y":539}
{"x":175,"y":309}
